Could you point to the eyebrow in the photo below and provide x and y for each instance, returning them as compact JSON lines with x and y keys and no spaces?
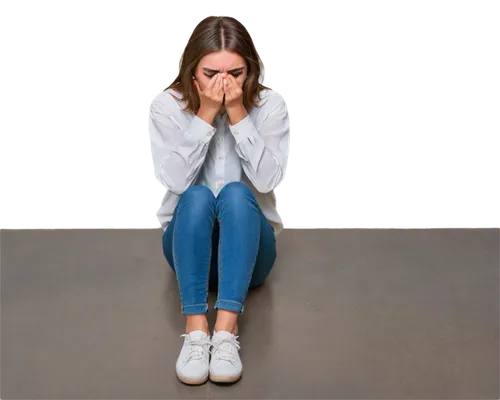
{"x":216,"y":70}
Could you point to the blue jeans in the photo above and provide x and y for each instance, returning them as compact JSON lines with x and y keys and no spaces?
{"x":222,"y":242}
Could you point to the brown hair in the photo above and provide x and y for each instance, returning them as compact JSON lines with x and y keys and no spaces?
{"x":216,"y":34}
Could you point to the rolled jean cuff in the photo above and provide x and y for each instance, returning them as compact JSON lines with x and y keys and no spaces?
{"x":195,"y":309}
{"x":229,"y":305}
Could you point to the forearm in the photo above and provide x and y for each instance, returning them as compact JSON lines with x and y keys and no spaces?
{"x":206,"y":115}
{"x":178,"y":153}
{"x":236,"y":114}
{"x":263,"y":154}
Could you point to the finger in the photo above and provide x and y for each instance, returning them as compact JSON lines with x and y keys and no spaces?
{"x":221,"y":84}
{"x":229,"y":86}
{"x":213,"y":80}
{"x":216,"y":87}
{"x":231,"y":78}
{"x":220,"y":87}
{"x":234,"y":82}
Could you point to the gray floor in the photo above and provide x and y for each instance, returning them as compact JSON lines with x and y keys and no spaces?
{"x":348,"y":313}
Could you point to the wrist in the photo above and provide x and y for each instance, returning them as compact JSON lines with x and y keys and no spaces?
{"x":236,"y":114}
{"x":206,"y":115}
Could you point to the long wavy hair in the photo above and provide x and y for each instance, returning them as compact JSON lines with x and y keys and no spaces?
{"x":215,"y":34}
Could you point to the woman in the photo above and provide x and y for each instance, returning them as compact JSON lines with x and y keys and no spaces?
{"x":220,"y":144}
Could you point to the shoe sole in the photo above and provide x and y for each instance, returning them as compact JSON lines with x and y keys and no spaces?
{"x":192,"y":381}
{"x":225,"y":379}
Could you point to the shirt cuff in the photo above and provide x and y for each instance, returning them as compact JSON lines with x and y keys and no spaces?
{"x":201,"y":130}
{"x":242,"y":129}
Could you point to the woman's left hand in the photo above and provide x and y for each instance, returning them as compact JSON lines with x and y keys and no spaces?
{"x":233,"y":93}
{"x":233,"y":102}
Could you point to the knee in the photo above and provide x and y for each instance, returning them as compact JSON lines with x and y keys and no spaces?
{"x":236,"y":188}
{"x":197,"y":194}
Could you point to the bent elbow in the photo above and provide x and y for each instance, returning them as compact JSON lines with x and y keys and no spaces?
{"x":177,"y":188}
{"x":176,"y":191}
{"x":271,"y":184}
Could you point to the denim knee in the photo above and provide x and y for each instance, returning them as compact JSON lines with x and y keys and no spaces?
{"x":233,"y":194}
{"x":232,"y":187}
{"x":198,"y":194}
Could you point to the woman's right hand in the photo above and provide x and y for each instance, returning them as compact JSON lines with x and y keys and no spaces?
{"x":213,"y":94}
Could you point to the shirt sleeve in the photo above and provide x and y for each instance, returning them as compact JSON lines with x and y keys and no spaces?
{"x":264,"y":151}
{"x":178,"y":154}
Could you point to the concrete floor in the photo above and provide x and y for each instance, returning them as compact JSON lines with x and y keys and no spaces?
{"x":350,"y":313}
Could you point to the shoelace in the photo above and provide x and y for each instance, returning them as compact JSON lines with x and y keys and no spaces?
{"x":225,"y":348}
{"x":197,"y":347}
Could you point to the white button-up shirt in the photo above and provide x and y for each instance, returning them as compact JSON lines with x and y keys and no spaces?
{"x":187,"y":150}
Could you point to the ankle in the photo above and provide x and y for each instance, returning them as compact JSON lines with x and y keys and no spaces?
{"x":190,"y":329}
{"x":194,"y":323}
{"x":226,"y":320}
{"x":232,"y":329}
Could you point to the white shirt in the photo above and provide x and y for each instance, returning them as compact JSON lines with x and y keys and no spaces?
{"x":187,"y":150}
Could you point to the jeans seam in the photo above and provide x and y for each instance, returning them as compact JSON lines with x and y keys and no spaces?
{"x":209,"y":265}
{"x":230,"y":301}
{"x":254,"y":262}
{"x":195,"y":305}
{"x":175,"y":262}
{"x":274,"y":259}
{"x":219,"y":260}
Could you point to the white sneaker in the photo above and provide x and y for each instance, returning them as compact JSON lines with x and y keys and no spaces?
{"x":225,"y":363}
{"x":192,"y":363}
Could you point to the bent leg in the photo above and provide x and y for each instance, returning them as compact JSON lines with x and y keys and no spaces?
{"x":240,"y":230}
{"x":267,"y":253}
{"x":187,"y":244}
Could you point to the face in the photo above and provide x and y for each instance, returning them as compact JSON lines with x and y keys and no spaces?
{"x":221,"y":61}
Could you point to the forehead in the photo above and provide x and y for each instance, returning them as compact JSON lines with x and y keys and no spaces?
{"x":222,"y":60}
